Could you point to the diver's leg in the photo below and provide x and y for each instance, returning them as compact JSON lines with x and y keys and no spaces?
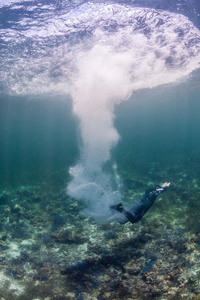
{"x":128,"y":216}
{"x":138,"y":211}
{"x":147,"y":201}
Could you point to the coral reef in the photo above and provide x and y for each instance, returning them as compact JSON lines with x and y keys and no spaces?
{"x":51,"y":251}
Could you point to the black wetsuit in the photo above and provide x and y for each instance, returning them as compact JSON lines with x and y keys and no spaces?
{"x":140,"y":208}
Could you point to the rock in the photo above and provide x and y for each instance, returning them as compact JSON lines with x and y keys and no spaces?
{"x":4,"y":198}
{"x":68,"y":236}
{"x":17,"y":209}
{"x":71,"y":296}
{"x":3,"y":246}
{"x":3,"y":236}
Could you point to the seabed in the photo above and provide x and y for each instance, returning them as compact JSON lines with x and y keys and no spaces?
{"x":51,"y":251}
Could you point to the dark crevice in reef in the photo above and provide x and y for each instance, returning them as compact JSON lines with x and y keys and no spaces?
{"x":126,"y":263}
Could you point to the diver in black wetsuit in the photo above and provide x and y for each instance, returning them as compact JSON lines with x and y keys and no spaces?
{"x":141,"y":207}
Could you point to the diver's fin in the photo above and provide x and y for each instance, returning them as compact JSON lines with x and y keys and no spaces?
{"x":118,"y":207}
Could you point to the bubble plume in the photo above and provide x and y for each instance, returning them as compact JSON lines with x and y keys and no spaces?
{"x":99,"y":54}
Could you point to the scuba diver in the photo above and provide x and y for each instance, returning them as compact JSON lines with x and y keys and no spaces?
{"x":141,"y":207}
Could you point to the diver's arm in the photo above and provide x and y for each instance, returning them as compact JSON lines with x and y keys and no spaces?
{"x":151,"y":194}
{"x":147,"y":201}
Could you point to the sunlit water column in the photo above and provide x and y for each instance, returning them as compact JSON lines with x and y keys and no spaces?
{"x":133,"y":56}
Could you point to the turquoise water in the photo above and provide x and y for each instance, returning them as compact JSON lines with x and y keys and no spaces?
{"x":38,"y":138}
{"x":99,"y":101}
{"x":158,"y":127}
{"x":161,"y":126}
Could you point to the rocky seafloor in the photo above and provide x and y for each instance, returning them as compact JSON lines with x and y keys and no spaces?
{"x":50,"y":250}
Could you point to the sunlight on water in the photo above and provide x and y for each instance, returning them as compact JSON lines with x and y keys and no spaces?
{"x":99,"y":54}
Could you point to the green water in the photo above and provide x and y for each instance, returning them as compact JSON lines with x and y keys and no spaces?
{"x":161,"y":127}
{"x":49,"y":247}
{"x":38,"y":139}
{"x":159,"y":131}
